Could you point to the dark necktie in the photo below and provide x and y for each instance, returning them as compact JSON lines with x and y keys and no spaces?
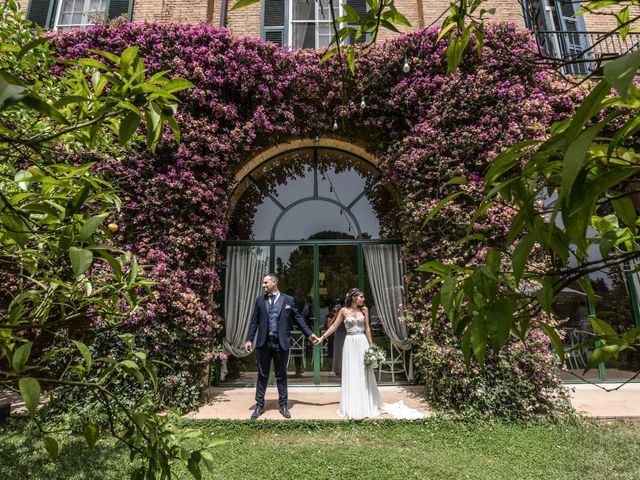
{"x":272,"y":299}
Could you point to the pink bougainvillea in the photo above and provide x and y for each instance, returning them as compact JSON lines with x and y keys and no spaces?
{"x":425,"y":126}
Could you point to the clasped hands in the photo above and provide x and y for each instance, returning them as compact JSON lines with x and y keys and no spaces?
{"x":248,"y":346}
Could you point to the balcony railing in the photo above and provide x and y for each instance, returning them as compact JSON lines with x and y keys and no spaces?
{"x":584,"y":53}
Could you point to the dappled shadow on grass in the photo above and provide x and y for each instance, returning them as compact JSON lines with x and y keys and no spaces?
{"x":23,"y":456}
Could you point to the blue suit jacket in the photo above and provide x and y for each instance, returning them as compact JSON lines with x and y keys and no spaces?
{"x":288,"y":314}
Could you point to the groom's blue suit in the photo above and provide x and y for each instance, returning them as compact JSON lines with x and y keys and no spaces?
{"x":274,"y":347}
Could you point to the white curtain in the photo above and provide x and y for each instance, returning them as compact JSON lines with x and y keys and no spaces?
{"x":246,"y":266}
{"x":385,"y":268}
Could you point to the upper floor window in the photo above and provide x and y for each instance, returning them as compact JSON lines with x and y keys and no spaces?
{"x":68,"y":14}
{"x":311,"y":23}
{"x":78,"y":13}
{"x":304,"y":23}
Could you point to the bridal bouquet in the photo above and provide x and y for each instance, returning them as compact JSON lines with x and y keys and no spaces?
{"x":374,"y":356}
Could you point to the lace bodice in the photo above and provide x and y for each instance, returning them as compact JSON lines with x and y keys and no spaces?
{"x":354,"y":325}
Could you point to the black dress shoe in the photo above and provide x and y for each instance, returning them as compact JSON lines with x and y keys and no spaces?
{"x":256,"y":413}
{"x":284,"y":411}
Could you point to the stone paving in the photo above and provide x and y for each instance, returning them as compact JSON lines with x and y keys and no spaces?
{"x":321,"y":403}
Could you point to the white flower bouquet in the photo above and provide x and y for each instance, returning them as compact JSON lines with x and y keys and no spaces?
{"x":374,"y":356}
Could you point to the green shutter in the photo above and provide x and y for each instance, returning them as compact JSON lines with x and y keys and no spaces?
{"x":360,"y":6}
{"x":274,"y":21}
{"x":120,"y":7}
{"x":40,"y":12}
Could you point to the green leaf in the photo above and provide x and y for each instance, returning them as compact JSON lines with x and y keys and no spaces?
{"x":152,"y":374}
{"x":10,"y":93}
{"x":207,"y":459}
{"x":176,"y":85}
{"x":30,"y":391}
{"x":91,"y":434}
{"x":21,"y":355}
{"x":86,"y":353}
{"x":351,"y":59}
{"x":603,"y":329}
{"x":15,"y":228}
{"x":434,"y":211}
{"x":625,"y":210}
{"x":575,"y":156}
{"x":243,"y":3}
{"x":545,"y":298}
{"x":128,"y":126}
{"x":499,"y":321}
{"x":74,"y":204}
{"x":447,"y":296}
{"x":81,"y":260}
{"x":90,"y":225}
{"x":521,"y":255}
{"x":51,"y":446}
{"x":456,"y":181}
{"x":556,"y":341}
{"x":478,"y":337}
{"x":31,"y":45}
{"x":44,"y":108}
{"x":587,"y":288}
{"x":620,"y":72}
{"x":601,"y":355}
{"x":127,"y":57}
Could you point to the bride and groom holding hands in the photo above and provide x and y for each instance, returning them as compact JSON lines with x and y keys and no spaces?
{"x":272,"y":318}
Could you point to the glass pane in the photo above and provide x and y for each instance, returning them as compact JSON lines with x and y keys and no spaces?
{"x":303,"y":10}
{"x":303,"y":35}
{"x":294,"y":266}
{"x":572,"y":310}
{"x":315,"y":219}
{"x":330,"y":204}
{"x":288,"y":177}
{"x":78,"y":6}
{"x":77,"y":18}
{"x":338,"y":274}
{"x":613,"y":305}
{"x":254,"y":215}
{"x":342,"y":176}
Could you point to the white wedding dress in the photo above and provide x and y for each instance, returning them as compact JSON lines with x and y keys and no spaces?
{"x":359,"y":396}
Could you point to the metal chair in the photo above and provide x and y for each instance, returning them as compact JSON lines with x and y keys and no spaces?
{"x":394,"y":363}
{"x":297,"y":349}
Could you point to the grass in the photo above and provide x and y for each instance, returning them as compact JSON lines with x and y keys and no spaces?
{"x":388,"y":450}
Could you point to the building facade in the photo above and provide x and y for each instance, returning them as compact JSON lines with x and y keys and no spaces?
{"x":359,"y":229}
{"x":307,"y":24}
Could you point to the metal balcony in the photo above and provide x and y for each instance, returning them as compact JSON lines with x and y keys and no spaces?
{"x":584,"y":53}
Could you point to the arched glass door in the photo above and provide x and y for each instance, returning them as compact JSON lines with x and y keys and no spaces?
{"x":310,"y":212}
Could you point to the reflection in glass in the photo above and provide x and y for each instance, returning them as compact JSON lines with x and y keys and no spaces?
{"x":294,"y":267}
{"x":308,"y":191}
{"x":612,"y":304}
{"x":310,"y":218}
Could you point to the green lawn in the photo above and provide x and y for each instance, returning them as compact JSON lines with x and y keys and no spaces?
{"x":387,"y":450}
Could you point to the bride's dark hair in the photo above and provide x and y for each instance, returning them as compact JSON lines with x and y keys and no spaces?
{"x":351,"y":295}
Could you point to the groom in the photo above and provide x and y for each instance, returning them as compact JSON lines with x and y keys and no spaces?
{"x":272,"y":318}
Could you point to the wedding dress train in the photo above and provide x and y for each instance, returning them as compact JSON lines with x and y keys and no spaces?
{"x":359,"y":396}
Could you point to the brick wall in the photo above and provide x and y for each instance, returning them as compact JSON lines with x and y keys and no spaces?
{"x":604,"y":20}
{"x":246,"y":22}
{"x":182,"y":11}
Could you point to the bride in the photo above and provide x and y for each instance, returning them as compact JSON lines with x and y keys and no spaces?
{"x":359,"y":396}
